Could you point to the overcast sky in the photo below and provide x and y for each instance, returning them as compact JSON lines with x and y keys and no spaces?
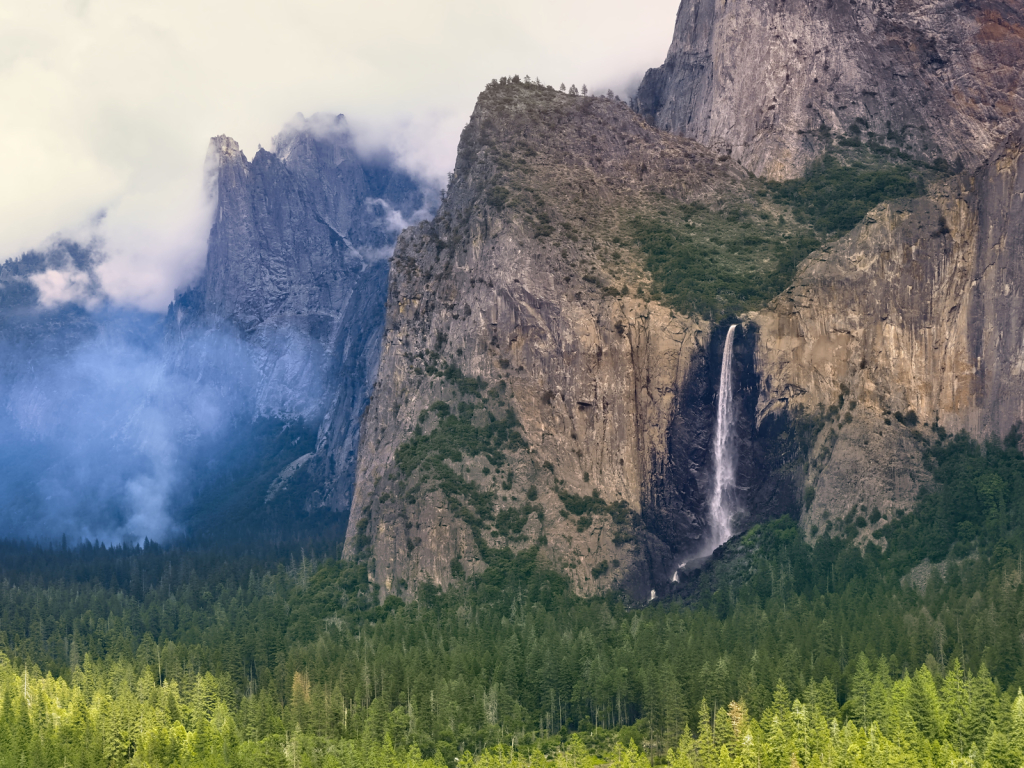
{"x":108,"y":105}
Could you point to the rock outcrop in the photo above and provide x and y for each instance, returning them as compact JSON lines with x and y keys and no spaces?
{"x":522,"y":308}
{"x":917,"y":317}
{"x":297,"y":271}
{"x":772,"y":82}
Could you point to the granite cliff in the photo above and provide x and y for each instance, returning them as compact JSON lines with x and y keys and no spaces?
{"x":531,"y":391}
{"x":539,"y":389}
{"x":297,"y":272}
{"x":913,"y":319}
{"x":933,"y":79}
{"x":913,"y":312}
{"x":240,"y":410}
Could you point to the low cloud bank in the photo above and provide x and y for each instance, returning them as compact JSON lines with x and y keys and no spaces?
{"x":96,"y":440}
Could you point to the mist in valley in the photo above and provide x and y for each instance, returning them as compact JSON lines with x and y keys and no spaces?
{"x":116,"y":431}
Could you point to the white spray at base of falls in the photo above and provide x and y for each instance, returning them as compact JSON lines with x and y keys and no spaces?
{"x":721,"y":506}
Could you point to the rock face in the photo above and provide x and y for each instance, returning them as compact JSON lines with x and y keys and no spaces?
{"x":522,"y":298}
{"x":297,"y":270}
{"x":768,"y":471}
{"x":506,"y":314}
{"x":936,"y":79}
{"x":920,"y":309}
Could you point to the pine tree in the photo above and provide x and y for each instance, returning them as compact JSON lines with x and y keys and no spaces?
{"x":801,"y":739}
{"x":925,"y":704}
{"x":631,"y":757}
{"x":999,"y":751}
{"x":682,"y":755}
{"x":954,"y":703}
{"x":1017,"y":726}
{"x":707,"y":755}
{"x":859,"y":703}
{"x":574,"y":755}
{"x":674,"y":704}
{"x":981,"y":704}
{"x":722,"y":729}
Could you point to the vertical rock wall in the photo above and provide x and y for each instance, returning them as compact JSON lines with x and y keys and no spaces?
{"x":936,"y":79}
{"x":518,"y":284}
{"x":919,"y":309}
{"x":297,"y":271}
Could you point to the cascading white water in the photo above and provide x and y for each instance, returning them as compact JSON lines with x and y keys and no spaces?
{"x":722,"y":505}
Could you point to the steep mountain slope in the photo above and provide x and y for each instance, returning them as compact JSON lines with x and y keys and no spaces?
{"x":243,"y":413}
{"x":529,"y":387}
{"x":917,"y":315}
{"x":935,"y":79}
{"x":297,"y":272}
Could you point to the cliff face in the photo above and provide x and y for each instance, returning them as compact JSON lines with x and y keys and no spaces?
{"x":527,"y":400}
{"x":529,"y":388}
{"x":297,"y":270}
{"x":919,"y":309}
{"x":936,"y":79}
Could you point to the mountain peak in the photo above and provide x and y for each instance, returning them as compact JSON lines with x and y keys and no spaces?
{"x":533,"y":389}
{"x":225,"y":146}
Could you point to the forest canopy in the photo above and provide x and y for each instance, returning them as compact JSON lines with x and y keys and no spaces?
{"x":825,"y":653}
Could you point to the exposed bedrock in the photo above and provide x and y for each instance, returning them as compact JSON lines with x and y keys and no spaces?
{"x":920,"y":308}
{"x":297,"y":272}
{"x":935,"y":79}
{"x":768,"y":456}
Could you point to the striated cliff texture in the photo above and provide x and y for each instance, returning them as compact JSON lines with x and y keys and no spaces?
{"x":297,"y":272}
{"x":933,"y":79}
{"x":912,"y":323}
{"x":529,"y":392}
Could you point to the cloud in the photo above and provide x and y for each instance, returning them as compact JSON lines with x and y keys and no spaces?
{"x":71,"y":285}
{"x":109,"y":104}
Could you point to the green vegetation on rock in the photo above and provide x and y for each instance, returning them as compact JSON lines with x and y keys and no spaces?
{"x":455,"y":436}
{"x":978,"y":503}
{"x":719,"y":262}
{"x":585,"y":508}
{"x":481,"y":427}
{"x":835,"y":194}
{"x":734,"y":256}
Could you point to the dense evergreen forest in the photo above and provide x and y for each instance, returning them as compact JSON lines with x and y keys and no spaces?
{"x":822,"y":655}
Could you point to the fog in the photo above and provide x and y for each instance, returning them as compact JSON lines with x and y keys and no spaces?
{"x":97,"y":439}
{"x":109,"y":105}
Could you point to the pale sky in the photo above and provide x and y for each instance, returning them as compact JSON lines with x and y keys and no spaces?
{"x":108,"y":105}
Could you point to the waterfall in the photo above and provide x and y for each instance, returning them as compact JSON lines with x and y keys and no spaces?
{"x":722,"y":504}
